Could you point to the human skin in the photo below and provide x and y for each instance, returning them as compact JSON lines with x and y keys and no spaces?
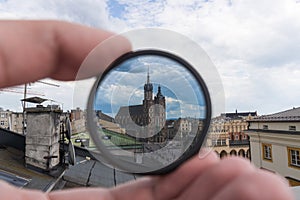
{"x":31,"y":50}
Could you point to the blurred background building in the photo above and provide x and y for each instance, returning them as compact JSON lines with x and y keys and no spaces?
{"x":227,"y":134}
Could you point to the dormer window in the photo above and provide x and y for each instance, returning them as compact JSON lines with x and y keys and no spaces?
{"x":292,"y":128}
{"x":265,"y":127}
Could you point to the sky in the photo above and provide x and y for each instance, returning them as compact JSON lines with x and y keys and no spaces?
{"x":124,"y":85}
{"x":254,"y":44}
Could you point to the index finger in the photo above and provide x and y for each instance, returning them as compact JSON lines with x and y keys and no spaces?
{"x":31,"y":50}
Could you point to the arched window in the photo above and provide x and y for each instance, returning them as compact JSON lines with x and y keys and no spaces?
{"x":233,"y":152}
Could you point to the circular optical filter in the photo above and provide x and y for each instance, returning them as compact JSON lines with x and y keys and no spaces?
{"x":148,"y":112}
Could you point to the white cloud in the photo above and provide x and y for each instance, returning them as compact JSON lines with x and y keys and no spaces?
{"x":183,"y":109}
{"x":254,"y":44}
{"x":89,"y":12}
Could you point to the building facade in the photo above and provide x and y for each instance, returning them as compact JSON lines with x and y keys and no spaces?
{"x":12,"y":121}
{"x":77,"y":114}
{"x":183,"y":127}
{"x":17,"y":122}
{"x":275,"y":143}
{"x":5,"y":119}
{"x":227,"y":134}
{"x":78,"y":120}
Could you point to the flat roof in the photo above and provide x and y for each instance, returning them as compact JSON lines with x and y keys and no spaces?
{"x":14,"y":179}
{"x":91,"y":172}
{"x":14,"y":171}
{"x":86,"y":172}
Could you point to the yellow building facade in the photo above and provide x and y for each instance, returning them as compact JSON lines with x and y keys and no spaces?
{"x":227,"y":134}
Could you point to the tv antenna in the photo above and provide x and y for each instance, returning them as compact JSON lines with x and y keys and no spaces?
{"x":25,"y":97}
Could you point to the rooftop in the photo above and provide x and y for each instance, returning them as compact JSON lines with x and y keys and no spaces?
{"x":86,"y":172}
{"x":287,"y":115}
{"x":13,"y":170}
{"x":94,"y":173}
{"x":238,"y":115}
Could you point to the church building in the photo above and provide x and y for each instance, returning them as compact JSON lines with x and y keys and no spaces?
{"x":149,"y":118}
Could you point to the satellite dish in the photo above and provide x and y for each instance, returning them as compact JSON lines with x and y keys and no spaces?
{"x":68,"y":128}
{"x":72,"y":159}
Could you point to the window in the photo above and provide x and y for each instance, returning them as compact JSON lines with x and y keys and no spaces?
{"x":265,"y":127}
{"x":222,"y":142}
{"x":293,"y":182}
{"x":2,"y":123}
{"x":218,"y":142}
{"x":267,"y":152}
{"x":294,"y":157}
{"x":2,"y":115}
{"x":292,"y":128}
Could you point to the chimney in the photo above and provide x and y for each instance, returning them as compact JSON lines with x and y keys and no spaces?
{"x":42,"y":138}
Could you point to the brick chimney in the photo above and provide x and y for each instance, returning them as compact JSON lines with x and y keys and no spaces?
{"x":42,"y":138}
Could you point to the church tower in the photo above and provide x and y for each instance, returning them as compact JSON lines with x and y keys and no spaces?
{"x":148,"y":100}
{"x":154,"y":111}
{"x":160,"y":113}
{"x":159,"y":98}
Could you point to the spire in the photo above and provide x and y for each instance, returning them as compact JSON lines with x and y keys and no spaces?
{"x":148,"y":86}
{"x":148,"y":76}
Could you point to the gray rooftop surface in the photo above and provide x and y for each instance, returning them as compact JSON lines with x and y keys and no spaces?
{"x":287,"y":115}
{"x":86,"y":172}
{"x":13,"y":167}
{"x":94,"y":173}
{"x":14,"y":179}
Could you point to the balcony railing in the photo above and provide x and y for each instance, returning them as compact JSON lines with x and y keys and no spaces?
{"x":219,"y":145}
{"x":239,"y":142}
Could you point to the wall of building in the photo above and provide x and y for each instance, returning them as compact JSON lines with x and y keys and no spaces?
{"x":78,"y":126}
{"x":111,"y":126}
{"x":17,"y":122}
{"x":12,"y":139}
{"x":12,"y":121}
{"x":77,"y":114}
{"x":42,"y":138}
{"x":282,"y":126}
{"x":279,"y":144}
{"x":185,"y":125}
{"x":237,"y":125}
{"x":221,"y":144}
{"x":5,"y":119}
{"x":227,"y":137}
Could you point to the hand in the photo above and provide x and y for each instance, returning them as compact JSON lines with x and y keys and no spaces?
{"x":31,"y":50}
